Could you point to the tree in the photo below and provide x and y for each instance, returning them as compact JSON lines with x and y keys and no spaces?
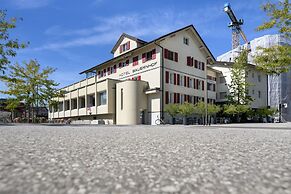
{"x":186,"y":109}
{"x":275,"y":59}
{"x":212,"y":110}
{"x":199,"y":109}
{"x":238,"y":88}
{"x":236,"y":110}
{"x":172,"y":110}
{"x":8,"y":46}
{"x":30,"y":84}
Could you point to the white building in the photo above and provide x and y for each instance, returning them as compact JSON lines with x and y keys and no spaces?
{"x":142,"y":77}
{"x":279,"y":87}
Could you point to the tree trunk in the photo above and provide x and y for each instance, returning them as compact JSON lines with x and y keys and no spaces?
{"x":184,"y":120}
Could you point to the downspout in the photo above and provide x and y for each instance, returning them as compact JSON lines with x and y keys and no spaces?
{"x":162,"y":81}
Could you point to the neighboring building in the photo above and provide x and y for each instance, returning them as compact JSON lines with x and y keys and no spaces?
{"x":257,"y":80}
{"x":279,"y":87}
{"x":135,"y":86}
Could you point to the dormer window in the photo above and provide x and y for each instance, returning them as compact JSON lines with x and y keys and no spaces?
{"x":124,"y":47}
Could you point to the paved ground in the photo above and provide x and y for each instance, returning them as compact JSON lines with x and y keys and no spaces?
{"x":144,"y":159}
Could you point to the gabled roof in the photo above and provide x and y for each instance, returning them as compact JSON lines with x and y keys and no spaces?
{"x":127,"y":36}
{"x":154,"y":42}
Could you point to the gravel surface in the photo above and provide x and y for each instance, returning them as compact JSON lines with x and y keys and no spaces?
{"x":144,"y":159}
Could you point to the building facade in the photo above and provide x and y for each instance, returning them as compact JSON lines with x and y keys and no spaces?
{"x":135,"y":85}
{"x":143,"y":77}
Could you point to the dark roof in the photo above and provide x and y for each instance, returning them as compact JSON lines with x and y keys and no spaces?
{"x":146,"y":44}
{"x":128,"y":36}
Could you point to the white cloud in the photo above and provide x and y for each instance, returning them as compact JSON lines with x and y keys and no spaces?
{"x":29,"y":4}
{"x":142,"y":25}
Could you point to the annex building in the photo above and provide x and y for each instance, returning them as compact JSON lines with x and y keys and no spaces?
{"x":142,"y":77}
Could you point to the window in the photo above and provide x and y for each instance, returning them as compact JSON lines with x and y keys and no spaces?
{"x":91,"y":100}
{"x":186,"y":41}
{"x":190,"y":61}
{"x":135,"y":61}
{"x":149,"y":55}
{"x":61,"y":106}
{"x":121,"y":99}
{"x":82,"y":102}
{"x":171,"y":97}
{"x":259,"y":94}
{"x":222,"y":95}
{"x":124,"y":47}
{"x":74,"y":103}
{"x":102,"y":98}
{"x":167,"y":97}
{"x":253,"y":92}
{"x":222,"y":80}
{"x":67,"y":105}
{"x":190,"y":83}
{"x":171,"y":78}
{"x":259,"y":78}
{"x":170,"y":55}
{"x":167,"y":77}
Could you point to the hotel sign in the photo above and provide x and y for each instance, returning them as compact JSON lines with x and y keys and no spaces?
{"x":138,"y":69}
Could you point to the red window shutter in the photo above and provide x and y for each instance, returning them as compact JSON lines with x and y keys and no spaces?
{"x":114,"y":67}
{"x":196,"y":64}
{"x":174,"y":97}
{"x":178,"y":97}
{"x":175,"y":77}
{"x":99,"y":75}
{"x":128,"y":45}
{"x":188,"y":82}
{"x":185,"y":78}
{"x":192,"y":62}
{"x":119,"y":65}
{"x":120,"y":49}
{"x":127,"y":62}
{"x":176,"y":57}
{"x":185,"y":98}
{"x":167,"y":97}
{"x":108,"y":70}
{"x":139,"y":77}
{"x":167,"y":77}
{"x":154,"y":54}
{"x":203,"y":66}
{"x":214,"y":87}
{"x":197,"y":83}
{"x":166,"y":53}
{"x":202,"y":85}
{"x":178,"y":79}
{"x":194,"y":81}
{"x":143,"y":57}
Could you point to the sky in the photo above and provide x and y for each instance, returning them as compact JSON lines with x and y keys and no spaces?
{"x":73,"y":36}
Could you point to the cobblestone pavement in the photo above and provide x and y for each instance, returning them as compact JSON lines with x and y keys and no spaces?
{"x":144,"y":159}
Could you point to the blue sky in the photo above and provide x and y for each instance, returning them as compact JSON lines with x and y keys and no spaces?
{"x":75,"y":35}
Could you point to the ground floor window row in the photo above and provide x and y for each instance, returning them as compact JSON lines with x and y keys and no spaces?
{"x":173,"y":97}
{"x":80,"y":102}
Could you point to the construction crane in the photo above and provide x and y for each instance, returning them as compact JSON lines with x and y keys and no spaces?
{"x":235,"y":26}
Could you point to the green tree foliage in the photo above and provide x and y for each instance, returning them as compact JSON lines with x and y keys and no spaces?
{"x":186,"y":109}
{"x":8,"y":46}
{"x":265,"y":112}
{"x":172,"y":110}
{"x":213,"y":109}
{"x":236,"y":110}
{"x":30,"y":84}
{"x":273,"y":60}
{"x":279,"y":17}
{"x":238,"y":88}
{"x":276,"y":59}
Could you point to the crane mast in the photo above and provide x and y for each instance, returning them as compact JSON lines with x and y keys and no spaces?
{"x":235,"y":26}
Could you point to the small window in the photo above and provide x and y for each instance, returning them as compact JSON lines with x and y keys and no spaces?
{"x":91,"y":100}
{"x":186,"y":41}
{"x":121,"y":99}
{"x":253,"y":92}
{"x":61,"y":106}
{"x":67,"y":105}
{"x":259,"y":94}
{"x":102,"y":98}
{"x":259,"y":78}
{"x":74,"y":104}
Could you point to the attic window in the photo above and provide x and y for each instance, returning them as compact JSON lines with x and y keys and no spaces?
{"x":186,"y":40}
{"x":124,"y":47}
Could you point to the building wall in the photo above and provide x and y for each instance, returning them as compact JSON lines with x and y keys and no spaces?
{"x":131,"y":103}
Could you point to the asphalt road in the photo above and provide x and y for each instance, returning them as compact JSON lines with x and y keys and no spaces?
{"x":144,"y":159}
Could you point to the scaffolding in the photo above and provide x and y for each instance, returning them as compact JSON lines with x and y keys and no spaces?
{"x":279,"y":87}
